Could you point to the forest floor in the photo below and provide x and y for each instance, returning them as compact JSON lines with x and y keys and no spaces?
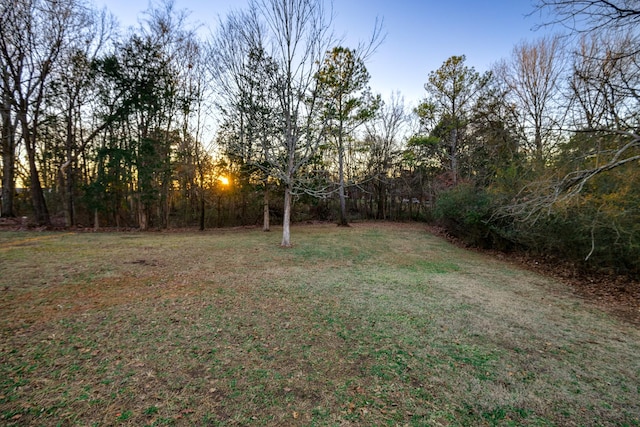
{"x":375,"y":324}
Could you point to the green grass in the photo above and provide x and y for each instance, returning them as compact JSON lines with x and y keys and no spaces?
{"x":375,"y":324}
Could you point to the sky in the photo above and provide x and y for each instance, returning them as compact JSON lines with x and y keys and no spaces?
{"x":420,"y":34}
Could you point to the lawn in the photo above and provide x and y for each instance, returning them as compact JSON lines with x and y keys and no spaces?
{"x":371,"y":325}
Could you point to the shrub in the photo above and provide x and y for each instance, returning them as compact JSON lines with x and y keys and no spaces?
{"x":465,"y":212}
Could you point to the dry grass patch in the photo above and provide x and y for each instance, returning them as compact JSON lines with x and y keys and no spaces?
{"x":370,"y":325}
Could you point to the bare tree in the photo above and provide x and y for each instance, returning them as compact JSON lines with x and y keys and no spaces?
{"x":194,"y":105}
{"x":298,"y":35}
{"x":533,"y":76}
{"x":604,"y":88}
{"x":604,"y":82}
{"x":605,"y":94}
{"x":32,"y":36}
{"x":588,"y":16}
{"x":245,"y":78}
{"x":71,"y":93}
{"x":8,"y":145}
{"x":382,"y":142}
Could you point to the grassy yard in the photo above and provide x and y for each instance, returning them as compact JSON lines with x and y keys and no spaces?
{"x":372,"y":325}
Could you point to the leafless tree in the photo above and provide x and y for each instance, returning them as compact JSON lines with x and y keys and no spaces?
{"x":71,"y":94}
{"x":32,"y":36}
{"x":604,"y":89}
{"x":604,"y":83}
{"x":296,"y":37}
{"x":194,"y":106}
{"x":588,"y":16}
{"x":8,"y":144}
{"x":245,"y":83}
{"x":382,"y":141}
{"x":533,"y":76}
{"x":169,"y":28}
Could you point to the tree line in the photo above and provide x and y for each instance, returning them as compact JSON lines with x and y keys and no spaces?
{"x":541,"y":153}
{"x":112,"y":128}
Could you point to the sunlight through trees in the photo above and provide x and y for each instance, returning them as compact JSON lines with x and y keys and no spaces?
{"x":143,"y":129}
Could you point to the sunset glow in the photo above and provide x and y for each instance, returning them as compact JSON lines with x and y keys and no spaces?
{"x":223,"y":180}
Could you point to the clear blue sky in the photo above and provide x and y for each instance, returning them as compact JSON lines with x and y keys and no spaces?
{"x":421,"y":34}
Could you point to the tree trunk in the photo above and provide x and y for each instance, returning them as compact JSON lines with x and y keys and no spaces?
{"x":66,"y":171}
{"x":343,"y":222}
{"x":66,"y":184}
{"x":202,"y":211}
{"x":539,"y":148}
{"x":265,"y":210}
{"x":96,"y":219}
{"x":165,"y":203}
{"x":243,"y":204}
{"x":143,"y":215}
{"x":454,"y":155}
{"x":286,"y":219}
{"x":380,"y":211}
{"x":40,"y":210}
{"x":219,"y":210}
{"x":37,"y":195}
{"x":8,"y":160}
{"x":71,"y":205}
{"x":8,"y":177}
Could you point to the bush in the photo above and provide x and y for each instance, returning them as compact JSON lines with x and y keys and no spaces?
{"x":465,"y":212}
{"x":597,"y":230}
{"x":591,"y":238}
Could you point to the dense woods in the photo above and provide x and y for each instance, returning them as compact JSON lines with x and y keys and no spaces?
{"x":269,"y":119}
